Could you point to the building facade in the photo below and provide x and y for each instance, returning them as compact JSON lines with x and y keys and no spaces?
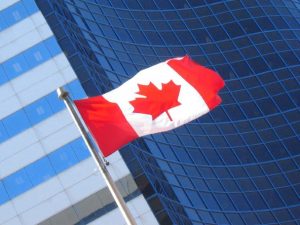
{"x":46,"y":173}
{"x":237,"y":165}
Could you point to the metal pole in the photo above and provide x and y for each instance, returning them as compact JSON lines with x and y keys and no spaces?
{"x":63,"y":95}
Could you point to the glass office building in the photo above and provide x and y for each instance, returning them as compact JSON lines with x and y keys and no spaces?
{"x":237,"y":165}
{"x":47,"y":176}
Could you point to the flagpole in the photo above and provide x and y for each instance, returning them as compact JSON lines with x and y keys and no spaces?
{"x":63,"y":95}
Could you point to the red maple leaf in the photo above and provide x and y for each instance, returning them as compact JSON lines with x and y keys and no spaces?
{"x":156,"y":101}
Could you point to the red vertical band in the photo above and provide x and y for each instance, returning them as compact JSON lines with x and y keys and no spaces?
{"x":207,"y":82}
{"x":106,"y":122}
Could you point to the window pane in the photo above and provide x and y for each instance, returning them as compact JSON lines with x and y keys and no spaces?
{"x":3,"y":77}
{"x":76,"y":90}
{"x":40,"y":171}
{"x":63,"y":158}
{"x":15,"y":66}
{"x":16,"y":123}
{"x":30,"y":6}
{"x":14,"y":13}
{"x":55,"y":104}
{"x":3,"y":194}
{"x":52,"y":46}
{"x":3,"y":133}
{"x":38,"y":111}
{"x":36,"y":55}
{"x":17,"y":183}
{"x":80,"y":149}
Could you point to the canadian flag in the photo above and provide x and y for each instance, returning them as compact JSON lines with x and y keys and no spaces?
{"x":159,"y":98}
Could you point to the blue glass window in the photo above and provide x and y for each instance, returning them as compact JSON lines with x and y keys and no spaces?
{"x":182,"y":196}
{"x":3,"y":24}
{"x":225,"y":202}
{"x":30,"y":6}
{"x":80,"y":149}
{"x":258,"y":65}
{"x":63,"y":158}
{"x":52,"y":46}
{"x":3,"y":194}
{"x":234,"y":218}
{"x":17,"y":183}
{"x":195,"y":199}
{"x":289,"y":195}
{"x":3,"y":132}
{"x":76,"y":90}
{"x":284,"y":102}
{"x":234,"y":30}
{"x":210,"y":201}
{"x":256,"y":200}
{"x":273,"y":199}
{"x":14,"y":13}
{"x":36,"y":55}
{"x":27,"y":60}
{"x":40,"y":171}
{"x":239,"y":201}
{"x":15,"y":66}
{"x":38,"y":111}
{"x":3,"y":77}
{"x":55,"y":104}
{"x":16,"y":122}
{"x":290,"y":58}
{"x":35,"y":112}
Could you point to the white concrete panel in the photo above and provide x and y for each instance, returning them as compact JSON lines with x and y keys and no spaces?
{"x":7,"y":212}
{"x":138,"y":206}
{"x":14,"y":221}
{"x":37,"y":195}
{"x":95,"y":182}
{"x":44,"y":31}
{"x":17,"y":143}
{"x":9,"y":105}
{"x":34,"y":75}
{"x":52,"y":124}
{"x":68,"y":74}
{"x":44,"y":132}
{"x":38,"y":19}
{"x":60,"y":138}
{"x":141,"y":209}
{"x":85,"y":188}
{"x":6,"y":3}
{"x":77,"y":173}
{"x":113,"y":217}
{"x":14,"y":32}
{"x":75,"y":180}
{"x":61,"y":61}
{"x":113,"y":158}
{"x":41,"y":88}
{"x":6,"y":91}
{"x":21,"y":36}
{"x":21,"y":159}
{"x":118,"y":169}
{"x":19,"y":45}
{"x":45,"y":210}
{"x":148,"y":219}
{"x":33,"y":85}
{"x":65,"y":135}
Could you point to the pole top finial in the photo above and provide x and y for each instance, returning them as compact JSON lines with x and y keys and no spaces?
{"x":62,"y":94}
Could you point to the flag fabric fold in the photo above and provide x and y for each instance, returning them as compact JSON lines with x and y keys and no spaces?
{"x":159,"y":98}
